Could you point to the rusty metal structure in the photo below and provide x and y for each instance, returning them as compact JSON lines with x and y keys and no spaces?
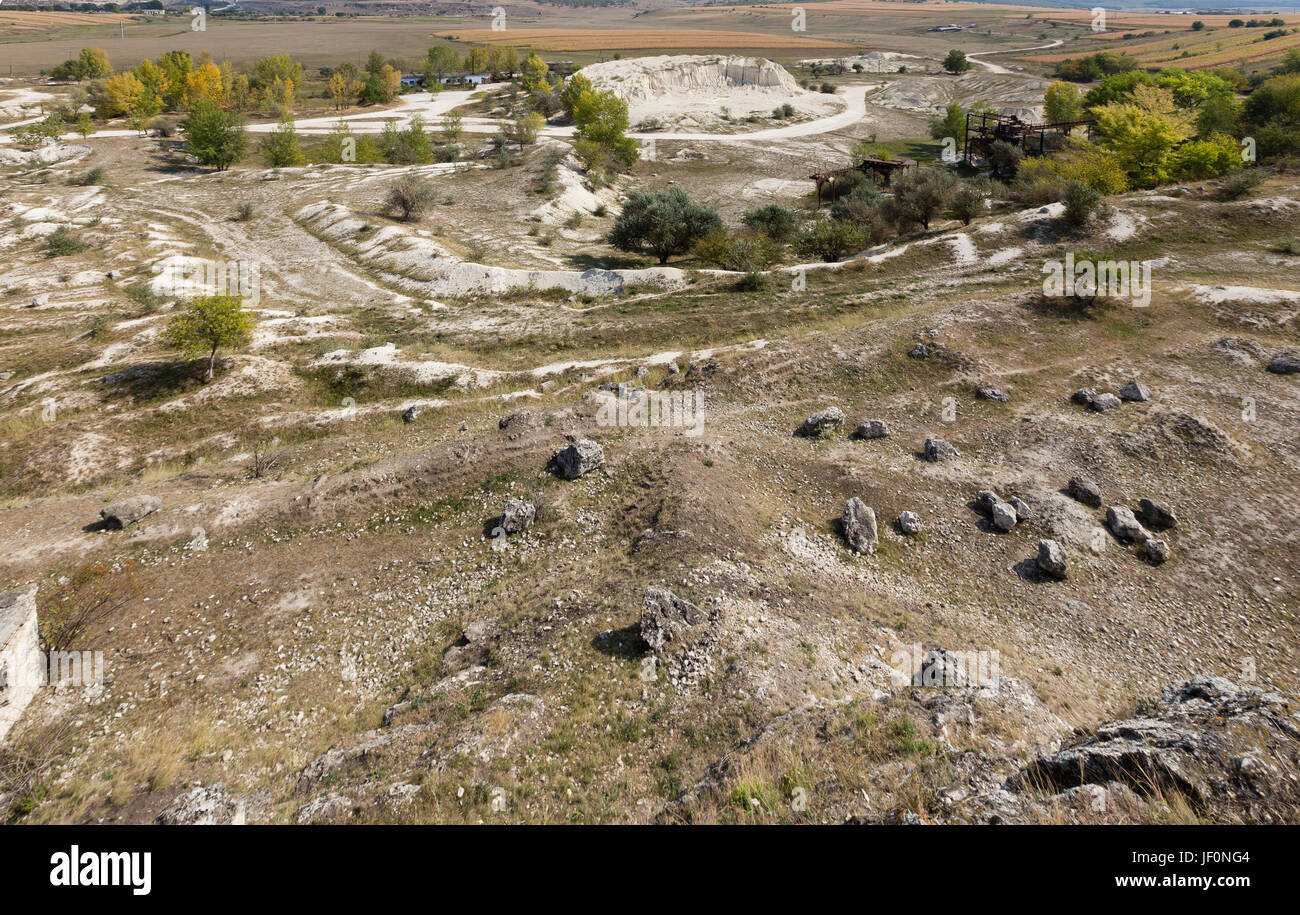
{"x":984,"y":128}
{"x":880,"y":170}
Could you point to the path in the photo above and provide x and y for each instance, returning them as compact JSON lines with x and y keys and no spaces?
{"x":995,"y":68}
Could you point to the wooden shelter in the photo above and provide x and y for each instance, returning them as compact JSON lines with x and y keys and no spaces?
{"x":880,"y":170}
{"x":984,"y":128}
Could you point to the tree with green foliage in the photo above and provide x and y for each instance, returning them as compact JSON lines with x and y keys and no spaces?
{"x":952,"y":124}
{"x":215,"y":137}
{"x":1061,"y":102}
{"x":967,"y":203}
{"x":602,"y":119}
{"x":956,"y":62}
{"x":573,"y":89}
{"x":1145,"y":133}
{"x":207,"y":323}
{"x":1004,"y":159}
{"x":280,"y":146}
{"x":919,"y":196}
{"x":534,"y":74}
{"x":662,"y":223}
{"x":830,"y":239}
{"x":773,"y":220}
{"x":1082,"y":203}
{"x":1210,"y":157}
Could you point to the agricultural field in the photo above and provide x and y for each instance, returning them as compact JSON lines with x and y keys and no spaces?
{"x":650,"y":416}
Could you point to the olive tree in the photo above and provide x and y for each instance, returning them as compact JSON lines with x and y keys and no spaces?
{"x":662,"y":223}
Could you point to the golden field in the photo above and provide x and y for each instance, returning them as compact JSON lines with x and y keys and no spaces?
{"x":636,"y":39}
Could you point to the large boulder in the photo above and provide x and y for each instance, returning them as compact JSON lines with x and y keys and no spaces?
{"x":1001,"y":513}
{"x":909,"y":522}
{"x":821,"y":422}
{"x":1083,"y":490}
{"x":518,"y":514}
{"x":1125,"y":526}
{"x":580,"y":457}
{"x":936,"y":450}
{"x":989,"y":392}
{"x":1218,"y":746}
{"x":1156,"y":550}
{"x":1099,"y":402}
{"x":1285,"y":363}
{"x":1135,"y":391}
{"x":859,"y":524}
{"x":129,"y":511}
{"x":1156,"y":515}
{"x":666,"y":618}
{"x":872,"y":428}
{"x":1052,"y":560}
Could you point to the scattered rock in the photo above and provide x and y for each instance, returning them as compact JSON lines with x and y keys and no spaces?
{"x":1098,"y":402}
{"x":129,"y":511}
{"x":1084,"y":490}
{"x":518,"y":514}
{"x":821,"y":422}
{"x":909,"y":522}
{"x":411,"y":414}
{"x":936,"y":449}
{"x":1023,"y":510}
{"x":872,"y":428}
{"x":1156,"y":515}
{"x":988,"y":392}
{"x":40,"y":300}
{"x":665,"y":618}
{"x":1123,"y":525}
{"x":1052,"y":560}
{"x":1001,"y":514}
{"x":1103,"y":402}
{"x":580,"y":457}
{"x":859,"y":524}
{"x":1135,"y":391}
{"x":920,"y":351}
{"x":210,"y":806}
{"x":1157,"y":550}
{"x":673,"y":368}
{"x":1285,"y":363}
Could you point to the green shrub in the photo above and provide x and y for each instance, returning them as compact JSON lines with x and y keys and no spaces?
{"x":61,"y":243}
{"x":830,"y":239}
{"x":773,"y":220}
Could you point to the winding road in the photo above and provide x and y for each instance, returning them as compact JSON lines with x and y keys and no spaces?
{"x":996,"y":68}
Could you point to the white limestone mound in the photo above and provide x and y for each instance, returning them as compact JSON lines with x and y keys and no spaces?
{"x":702,"y":90}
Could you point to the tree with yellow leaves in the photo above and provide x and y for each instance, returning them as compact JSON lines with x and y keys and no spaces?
{"x":120,"y":94}
{"x":278,"y":97}
{"x":343,"y":89}
{"x":205,"y":84}
{"x":153,"y":77}
{"x":1144,"y":133}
